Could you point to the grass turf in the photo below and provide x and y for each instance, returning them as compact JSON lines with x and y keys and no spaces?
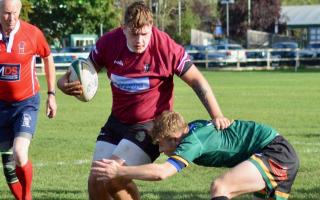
{"x":290,"y":102}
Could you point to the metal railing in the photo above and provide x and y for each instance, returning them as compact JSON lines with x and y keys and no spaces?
{"x":259,"y":58}
{"x":237,"y":59}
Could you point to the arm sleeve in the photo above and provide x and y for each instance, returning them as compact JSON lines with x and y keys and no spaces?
{"x":182,"y":60}
{"x":43,"y":49}
{"x":96,"y":55}
{"x":179,"y":165}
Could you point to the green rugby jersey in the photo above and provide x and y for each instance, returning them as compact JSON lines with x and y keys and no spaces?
{"x":205,"y":145}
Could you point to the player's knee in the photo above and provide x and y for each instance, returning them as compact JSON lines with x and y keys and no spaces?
{"x":219,"y":188}
{"x":96,"y":187}
{"x":20,"y":156}
{"x":92,"y":183}
{"x":9,"y":168}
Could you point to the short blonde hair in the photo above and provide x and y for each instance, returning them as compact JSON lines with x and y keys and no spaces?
{"x":138,"y":15}
{"x":166,"y":125}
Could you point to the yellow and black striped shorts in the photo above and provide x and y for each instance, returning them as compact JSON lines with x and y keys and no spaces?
{"x":278,"y":164}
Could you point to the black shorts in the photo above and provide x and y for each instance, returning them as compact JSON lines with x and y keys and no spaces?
{"x":114,"y":131}
{"x":278,"y":164}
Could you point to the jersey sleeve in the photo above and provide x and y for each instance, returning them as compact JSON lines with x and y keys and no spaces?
{"x":177,"y":162}
{"x":43,"y":49}
{"x":96,"y":55}
{"x":181,"y":59}
{"x":176,"y":59}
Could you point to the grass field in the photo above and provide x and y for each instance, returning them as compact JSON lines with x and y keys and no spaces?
{"x":290,"y":102}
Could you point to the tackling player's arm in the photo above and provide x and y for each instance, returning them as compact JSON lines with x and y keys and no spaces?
{"x":200,"y":85}
{"x":109,"y":169}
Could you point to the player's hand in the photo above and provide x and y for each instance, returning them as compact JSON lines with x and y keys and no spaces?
{"x":51,"y":109}
{"x":70,"y":88}
{"x":105,"y":169}
{"x":222,"y":122}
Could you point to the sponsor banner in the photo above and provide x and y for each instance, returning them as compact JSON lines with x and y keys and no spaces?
{"x":9,"y":72}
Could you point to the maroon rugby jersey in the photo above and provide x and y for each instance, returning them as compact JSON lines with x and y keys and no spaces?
{"x":142,"y":84}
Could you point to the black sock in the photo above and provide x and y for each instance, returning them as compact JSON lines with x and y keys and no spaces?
{"x":220,"y":198}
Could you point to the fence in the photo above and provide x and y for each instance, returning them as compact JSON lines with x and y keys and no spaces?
{"x":257,"y":58}
{"x":223,"y":59}
{"x":62,"y":61}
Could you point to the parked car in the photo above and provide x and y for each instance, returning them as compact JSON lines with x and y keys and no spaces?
{"x":315,"y":47}
{"x":212,"y":56}
{"x":256,"y":57}
{"x":201,"y":54}
{"x":82,"y":52}
{"x":290,"y":50}
{"x":63,"y":58}
{"x":76,"y":49}
{"x":234,"y":52}
{"x":192,"y":50}
{"x":286,"y":49}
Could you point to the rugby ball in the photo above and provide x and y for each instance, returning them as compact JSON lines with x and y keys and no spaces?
{"x":83,"y":70}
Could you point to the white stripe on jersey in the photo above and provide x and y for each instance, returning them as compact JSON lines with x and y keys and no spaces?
{"x":130,"y":84}
{"x":183,"y":61}
{"x":32,"y":73}
{"x":11,"y":37}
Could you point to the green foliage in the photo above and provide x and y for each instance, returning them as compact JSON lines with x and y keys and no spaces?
{"x":62,"y":148}
{"x":189,"y":20}
{"x":264,"y":14}
{"x":26,"y":10}
{"x":59,"y":18}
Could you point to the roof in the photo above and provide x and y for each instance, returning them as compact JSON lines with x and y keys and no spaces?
{"x":301,"y":15}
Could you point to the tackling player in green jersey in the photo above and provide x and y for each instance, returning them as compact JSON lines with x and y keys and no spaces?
{"x":261,"y":161}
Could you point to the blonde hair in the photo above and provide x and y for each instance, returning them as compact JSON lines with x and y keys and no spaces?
{"x":166,"y":125}
{"x":138,"y":15}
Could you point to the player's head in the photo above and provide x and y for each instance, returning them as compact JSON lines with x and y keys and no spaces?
{"x":9,"y":14}
{"x":168,"y":130}
{"x":137,"y":26}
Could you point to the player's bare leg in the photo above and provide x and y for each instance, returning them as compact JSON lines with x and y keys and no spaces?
{"x":124,"y":189}
{"x":117,"y":189}
{"x":243,"y":178}
{"x":97,"y":189}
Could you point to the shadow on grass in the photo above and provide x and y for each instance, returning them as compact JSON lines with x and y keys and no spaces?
{"x":182,"y":195}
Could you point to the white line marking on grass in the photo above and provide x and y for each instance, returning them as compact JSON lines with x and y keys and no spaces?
{"x":60,"y":163}
{"x":310,"y":151}
{"x":306,"y":143}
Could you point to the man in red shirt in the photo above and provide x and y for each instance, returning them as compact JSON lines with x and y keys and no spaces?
{"x":20,"y":42}
{"x":141,"y":62}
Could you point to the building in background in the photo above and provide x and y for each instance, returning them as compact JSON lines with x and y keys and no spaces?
{"x":305,"y":18}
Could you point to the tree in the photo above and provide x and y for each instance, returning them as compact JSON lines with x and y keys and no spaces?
{"x":264,"y":14}
{"x":167,"y":19}
{"x":26,"y":10}
{"x":205,"y":10}
{"x":60,"y":18}
{"x":188,"y":21}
